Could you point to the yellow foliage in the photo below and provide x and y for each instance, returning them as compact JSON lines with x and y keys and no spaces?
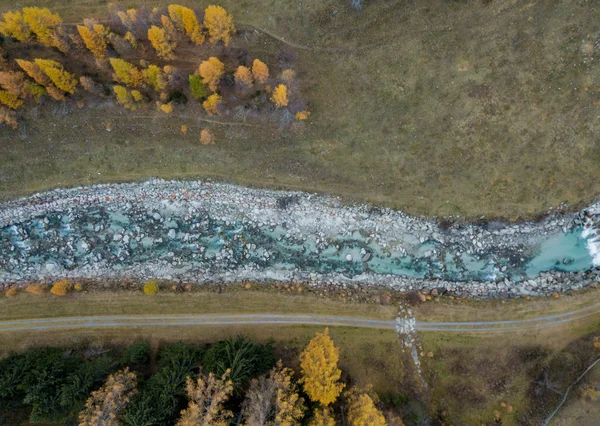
{"x":62,"y":79}
{"x":42,"y":23}
{"x":11,"y":292}
{"x":128,"y":73}
{"x":151,"y":287}
{"x":219,"y":24}
{"x":186,"y":21}
{"x":243,"y":76}
{"x":161,"y":42}
{"x":167,"y":108}
{"x":288,"y":76}
{"x":279,"y":97}
{"x":207,"y":396}
{"x":169,"y":27}
{"x":131,"y":39}
{"x":211,"y":104}
{"x":14,"y":26}
{"x":158,"y":78}
{"x":78,"y":287}
{"x":320,"y":373}
{"x":302,"y":115}
{"x":184,"y":129}
{"x":128,"y":19}
{"x":33,"y":71}
{"x":260,"y":71}
{"x":124,"y":97}
{"x":322,"y":417}
{"x":94,"y":39}
{"x":36,"y":289}
{"x":137,"y":95}
{"x":207,"y":137}
{"x":61,"y":288}
{"x":211,"y":72}
{"x":10,"y":100}
{"x":362,"y":410}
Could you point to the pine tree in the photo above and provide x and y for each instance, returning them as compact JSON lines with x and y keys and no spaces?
{"x":207,"y":397}
{"x":10,"y":100}
{"x":279,"y":97}
{"x":62,"y":79}
{"x":14,"y":25}
{"x":320,"y":373}
{"x":362,"y":410}
{"x":273,"y":400}
{"x":243,"y":76}
{"x":219,"y":24}
{"x":211,"y":104}
{"x":128,"y":73}
{"x":95,"y":39}
{"x":104,"y":405}
{"x":260,"y":71}
{"x":161,"y":42}
{"x":43,"y":23}
{"x":186,"y":21}
{"x":211,"y":72}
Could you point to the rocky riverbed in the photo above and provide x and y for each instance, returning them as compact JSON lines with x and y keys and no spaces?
{"x":207,"y":232}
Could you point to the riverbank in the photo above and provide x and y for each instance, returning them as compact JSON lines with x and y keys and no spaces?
{"x":206,"y":232}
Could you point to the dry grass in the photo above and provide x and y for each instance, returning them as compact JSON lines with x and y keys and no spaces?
{"x":485,"y":108}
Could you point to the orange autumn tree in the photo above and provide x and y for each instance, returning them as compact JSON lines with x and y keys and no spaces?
{"x":243,"y":76}
{"x":279,"y":97}
{"x":320,"y":372}
{"x":219,"y":24}
{"x":211,"y":72}
{"x":94,"y":38}
{"x":106,"y":404}
{"x":362,"y":410}
{"x":207,"y":396}
{"x":185,"y":20}
{"x":61,"y":287}
{"x":260,"y":71}
{"x":161,"y":42}
{"x":211,"y":104}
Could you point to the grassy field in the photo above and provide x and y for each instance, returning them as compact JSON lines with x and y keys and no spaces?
{"x":436,"y":108}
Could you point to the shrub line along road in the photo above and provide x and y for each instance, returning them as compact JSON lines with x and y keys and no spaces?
{"x":290,"y":319}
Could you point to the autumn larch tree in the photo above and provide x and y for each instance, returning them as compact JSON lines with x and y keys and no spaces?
{"x":128,"y":19}
{"x":157,"y":77}
{"x":186,"y":21}
{"x":34,"y":71}
{"x":243,"y":76}
{"x":15,"y":83}
{"x":320,"y":372}
{"x":273,"y":400}
{"x":207,"y":396}
{"x":260,"y":71}
{"x":128,"y":98}
{"x":211,"y":72}
{"x":279,"y":97}
{"x":14,"y":25}
{"x":95,"y":38}
{"x":161,"y":42}
{"x":322,"y":417}
{"x":44,"y":24}
{"x":211,"y":104}
{"x":104,"y":405}
{"x":61,"y":287}
{"x":62,"y":79}
{"x":10,"y":100}
{"x":362,"y":410}
{"x":219,"y":24}
{"x":128,"y":73}
{"x":8,"y":118}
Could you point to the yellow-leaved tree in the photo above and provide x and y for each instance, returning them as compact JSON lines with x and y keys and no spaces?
{"x":10,"y":100}
{"x":211,"y":72}
{"x":44,"y":24}
{"x":95,"y":38}
{"x":129,"y":99}
{"x":260,"y":71}
{"x":186,"y":21}
{"x":157,"y":77}
{"x":362,"y":410}
{"x":62,"y":79}
{"x":161,"y":42}
{"x":128,"y":73}
{"x":14,"y":25}
{"x":320,"y":372}
{"x":322,"y":417}
{"x":128,"y":19}
{"x":219,"y":24}
{"x":273,"y":400}
{"x":33,"y":71}
{"x":211,"y":104}
{"x":243,"y":76}
{"x":207,"y":396}
{"x":279,"y":97}
{"x":106,"y":404}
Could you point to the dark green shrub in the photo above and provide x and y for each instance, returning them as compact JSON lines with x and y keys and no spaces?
{"x":136,"y":354}
{"x":197,"y":88}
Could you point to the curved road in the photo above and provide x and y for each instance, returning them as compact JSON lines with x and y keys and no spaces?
{"x":324,"y":320}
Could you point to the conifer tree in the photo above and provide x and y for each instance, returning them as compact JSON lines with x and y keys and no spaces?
{"x":211,"y":72}
{"x":128,"y":73}
{"x":33,"y":71}
{"x":161,"y":42}
{"x":62,"y":79}
{"x":10,"y":100}
{"x":95,"y":38}
{"x":43,"y":23}
{"x":14,"y":25}
{"x":320,"y":372}
{"x":219,"y":24}
{"x":207,"y":396}
{"x":185,"y":20}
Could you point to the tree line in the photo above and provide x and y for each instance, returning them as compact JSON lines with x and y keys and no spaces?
{"x":236,"y":381}
{"x":141,"y":58}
